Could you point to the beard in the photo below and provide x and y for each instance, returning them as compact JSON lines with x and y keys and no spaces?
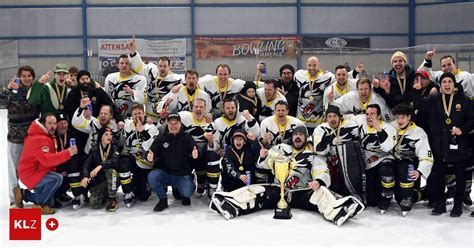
{"x":87,"y":88}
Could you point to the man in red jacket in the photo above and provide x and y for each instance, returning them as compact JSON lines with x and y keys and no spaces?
{"x":38,"y":162}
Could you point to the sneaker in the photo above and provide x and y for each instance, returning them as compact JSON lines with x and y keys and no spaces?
{"x":64,"y":199}
{"x":112,"y":206}
{"x":439,"y":209}
{"x":457,"y":210}
{"x":78,"y":202}
{"x":18,"y":193}
{"x":161,"y":205}
{"x":186,"y":201}
{"x":129,"y":200}
{"x":176,"y":193}
{"x":45,"y":210}
{"x":467,"y":199}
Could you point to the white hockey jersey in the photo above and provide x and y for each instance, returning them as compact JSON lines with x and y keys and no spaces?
{"x":210,"y":85}
{"x":462,"y":77}
{"x":412,"y":144}
{"x":351,"y":85}
{"x":91,"y":126}
{"x":182,"y":100}
{"x":304,"y":166}
{"x":310,"y":100}
{"x":350,"y":104}
{"x":157,"y":86}
{"x":268,"y":107}
{"x":280,"y":134}
{"x":137,"y":143}
{"x":196,"y":128}
{"x":375,"y":147}
{"x":113,"y":86}
{"x":325,"y":138}
{"x":225,"y":128}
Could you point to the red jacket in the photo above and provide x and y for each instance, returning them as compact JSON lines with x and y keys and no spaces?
{"x":39,"y":155}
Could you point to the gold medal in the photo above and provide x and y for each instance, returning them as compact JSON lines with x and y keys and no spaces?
{"x":310,"y":98}
{"x":241,"y":168}
{"x":448,"y":121}
{"x":61,"y":106}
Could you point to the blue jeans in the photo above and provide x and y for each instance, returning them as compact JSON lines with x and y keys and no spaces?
{"x":159,"y":180}
{"x":45,"y":189}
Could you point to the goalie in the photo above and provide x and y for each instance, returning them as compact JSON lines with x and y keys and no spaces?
{"x":305,"y":186}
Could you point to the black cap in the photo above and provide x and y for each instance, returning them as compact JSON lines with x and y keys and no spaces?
{"x":301,"y":129}
{"x":82,"y":73}
{"x":60,"y":116}
{"x":333,"y":109}
{"x":173,"y":117}
{"x":447,"y":74}
{"x":241,"y":133}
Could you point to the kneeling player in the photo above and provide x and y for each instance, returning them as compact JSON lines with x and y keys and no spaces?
{"x":305,"y":186}
{"x":101,"y":170}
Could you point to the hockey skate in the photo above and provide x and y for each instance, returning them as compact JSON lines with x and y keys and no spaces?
{"x":78,"y":202}
{"x":384,"y":203}
{"x":201,"y":188}
{"x":129,"y":200}
{"x":405,"y":206}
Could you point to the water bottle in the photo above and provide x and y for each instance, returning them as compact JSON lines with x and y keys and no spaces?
{"x":17,"y":81}
{"x":89,"y":107}
{"x":225,"y":149}
{"x":264,"y":68}
{"x":411,"y":168}
{"x":72,"y":142}
{"x":249,"y":176}
{"x":453,"y":143}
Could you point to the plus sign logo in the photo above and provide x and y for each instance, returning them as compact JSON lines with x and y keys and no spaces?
{"x":25,"y":224}
{"x":52,"y":224}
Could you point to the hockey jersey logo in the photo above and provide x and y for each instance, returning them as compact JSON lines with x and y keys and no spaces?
{"x":225,"y":134}
{"x":159,"y":88}
{"x":117,"y":91}
{"x":370,"y":142}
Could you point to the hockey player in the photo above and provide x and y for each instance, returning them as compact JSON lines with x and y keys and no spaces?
{"x":160,"y":79}
{"x":100,"y":171}
{"x":413,"y":149}
{"x":342,"y":85}
{"x":305,"y":186}
{"x":231,"y":121}
{"x":279,"y":128}
{"x":337,"y":140}
{"x":125,"y":87}
{"x":448,"y":64}
{"x":200,"y":127}
{"x":312,"y":82}
{"x":356,"y":102}
{"x":183,"y":99}
{"x":269,"y":96}
{"x":238,"y":164}
{"x":139,"y":136}
{"x":220,"y":87}
{"x":377,"y":141}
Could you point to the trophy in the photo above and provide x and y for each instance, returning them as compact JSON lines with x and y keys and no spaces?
{"x":282,"y":170}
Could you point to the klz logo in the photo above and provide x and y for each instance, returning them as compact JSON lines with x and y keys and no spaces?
{"x":25,"y":224}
